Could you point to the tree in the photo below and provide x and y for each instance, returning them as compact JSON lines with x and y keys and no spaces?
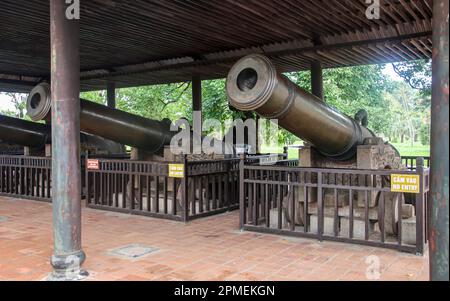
{"x":396,"y":111}
{"x":19,"y":102}
{"x":409,"y":119}
{"x":154,"y":102}
{"x":417,"y":74}
{"x":351,"y":89}
{"x":95,"y":96}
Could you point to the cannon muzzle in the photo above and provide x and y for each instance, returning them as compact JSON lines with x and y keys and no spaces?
{"x":254,"y":84}
{"x":112,"y":124}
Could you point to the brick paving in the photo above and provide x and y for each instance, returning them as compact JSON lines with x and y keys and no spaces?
{"x":208,"y":249}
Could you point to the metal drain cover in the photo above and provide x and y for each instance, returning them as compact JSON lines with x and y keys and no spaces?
{"x":3,"y":219}
{"x":134,"y":251}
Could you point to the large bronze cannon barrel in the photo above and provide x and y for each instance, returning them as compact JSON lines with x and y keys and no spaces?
{"x":24,"y":133}
{"x":112,"y":124}
{"x":36,"y":135}
{"x":254,"y":84}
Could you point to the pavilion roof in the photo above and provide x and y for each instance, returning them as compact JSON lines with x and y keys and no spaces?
{"x":144,"y":42}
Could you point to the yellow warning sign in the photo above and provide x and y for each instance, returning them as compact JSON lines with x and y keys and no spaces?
{"x":405,"y":183}
{"x":176,"y":170}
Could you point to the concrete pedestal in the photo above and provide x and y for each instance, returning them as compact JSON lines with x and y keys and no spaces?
{"x":409,"y":231}
{"x":274,"y":219}
{"x":328,"y":227}
{"x":359,"y":228}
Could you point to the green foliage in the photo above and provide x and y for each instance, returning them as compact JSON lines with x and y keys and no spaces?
{"x":407,"y":117}
{"x":172,"y":101}
{"x":215,"y":103}
{"x":397,"y":112}
{"x":19,"y":101}
{"x":351,"y":89}
{"x":425,"y":137}
{"x":95,"y":96}
{"x":155,"y":102}
{"x":417,"y":74}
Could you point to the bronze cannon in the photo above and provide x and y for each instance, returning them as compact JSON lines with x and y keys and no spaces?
{"x":253,"y":84}
{"x":24,"y":133}
{"x":122,"y":127}
{"x":334,"y":141}
{"x":37,"y":135}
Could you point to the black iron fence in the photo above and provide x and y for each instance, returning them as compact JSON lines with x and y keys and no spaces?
{"x":26,"y":177}
{"x":180,"y":192}
{"x":354,"y":206}
{"x":344,"y":205}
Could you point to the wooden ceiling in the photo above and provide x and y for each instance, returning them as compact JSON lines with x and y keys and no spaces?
{"x":143,"y":42}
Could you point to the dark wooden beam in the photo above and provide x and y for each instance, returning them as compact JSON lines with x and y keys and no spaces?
{"x":16,"y":86}
{"x":17,"y":82}
{"x":233,"y":56}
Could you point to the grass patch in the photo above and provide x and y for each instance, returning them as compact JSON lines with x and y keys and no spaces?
{"x":405,"y":150}
{"x":417,"y":150}
{"x":293,"y":152}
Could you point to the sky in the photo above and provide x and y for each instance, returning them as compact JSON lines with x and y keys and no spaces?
{"x":5,"y":102}
{"x":389,"y":71}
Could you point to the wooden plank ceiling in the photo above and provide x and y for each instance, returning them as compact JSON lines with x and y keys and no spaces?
{"x":142,"y":42}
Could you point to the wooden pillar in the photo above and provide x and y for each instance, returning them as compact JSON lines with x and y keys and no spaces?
{"x":438,"y":215}
{"x":68,"y":255}
{"x":196,"y":93}
{"x":317,"y":79}
{"x":258,"y":131}
{"x":247,"y":133}
{"x":111,"y":95}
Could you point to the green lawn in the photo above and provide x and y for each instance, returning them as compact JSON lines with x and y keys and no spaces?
{"x":405,"y":149}
{"x":418,"y":150}
{"x":293,"y":153}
